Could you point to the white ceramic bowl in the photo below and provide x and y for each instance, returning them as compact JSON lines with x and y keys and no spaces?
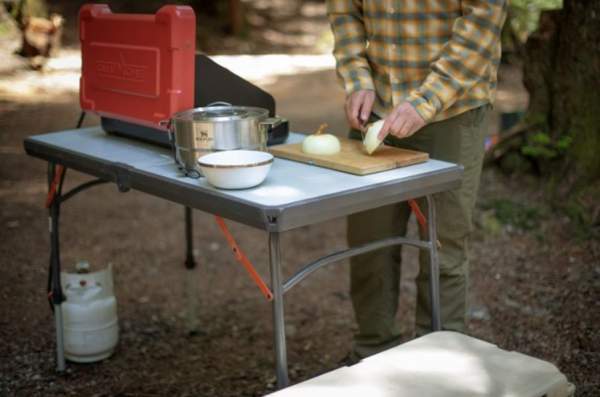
{"x":235,"y":169}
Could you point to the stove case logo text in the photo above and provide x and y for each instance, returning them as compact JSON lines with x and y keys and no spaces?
{"x":121,"y":70}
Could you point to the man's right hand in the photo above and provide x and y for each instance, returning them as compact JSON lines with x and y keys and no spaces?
{"x":358,"y":107}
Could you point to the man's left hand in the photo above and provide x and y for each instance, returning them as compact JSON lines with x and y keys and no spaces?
{"x":402,"y":122}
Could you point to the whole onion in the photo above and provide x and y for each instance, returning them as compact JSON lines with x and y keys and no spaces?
{"x":321,"y":144}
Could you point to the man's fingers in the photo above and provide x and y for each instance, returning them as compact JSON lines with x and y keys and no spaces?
{"x":349,"y":117}
{"x":348,"y":113}
{"x":387,"y":124}
{"x":402,"y":122}
{"x":407,"y":129}
{"x":398,"y":126}
{"x":355,"y":106}
{"x":358,"y":107}
{"x":367,"y":106}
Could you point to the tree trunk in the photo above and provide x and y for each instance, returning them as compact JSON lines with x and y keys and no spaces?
{"x":236,"y":17}
{"x":562,"y":74}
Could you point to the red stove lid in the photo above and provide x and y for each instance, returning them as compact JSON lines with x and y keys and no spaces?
{"x":137,"y":67}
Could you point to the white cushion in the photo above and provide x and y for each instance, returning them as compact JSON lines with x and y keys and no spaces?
{"x":440,"y":364}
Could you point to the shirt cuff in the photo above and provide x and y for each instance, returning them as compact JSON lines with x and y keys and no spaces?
{"x":425,"y":108}
{"x":358,"y":79}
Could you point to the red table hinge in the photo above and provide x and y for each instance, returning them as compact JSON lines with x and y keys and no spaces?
{"x":421,"y":218}
{"x":54,"y":184}
{"x":243,"y":260}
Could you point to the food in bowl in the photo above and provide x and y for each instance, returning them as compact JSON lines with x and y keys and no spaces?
{"x":236,"y":169}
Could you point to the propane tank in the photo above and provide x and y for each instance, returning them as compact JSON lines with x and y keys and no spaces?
{"x":91,"y":329}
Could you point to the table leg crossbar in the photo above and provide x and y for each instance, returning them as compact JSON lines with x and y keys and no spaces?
{"x":348,"y":253}
{"x":279,"y":288}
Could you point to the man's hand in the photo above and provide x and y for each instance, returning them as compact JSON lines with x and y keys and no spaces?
{"x":402,"y":122}
{"x":358,"y":107}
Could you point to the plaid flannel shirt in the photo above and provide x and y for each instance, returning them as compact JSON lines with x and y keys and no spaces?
{"x":441,"y":56}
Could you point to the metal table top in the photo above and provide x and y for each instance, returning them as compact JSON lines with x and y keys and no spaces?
{"x":293,"y":195}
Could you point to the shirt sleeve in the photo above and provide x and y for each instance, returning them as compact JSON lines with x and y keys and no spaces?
{"x":346,"y":19}
{"x":464,"y":60}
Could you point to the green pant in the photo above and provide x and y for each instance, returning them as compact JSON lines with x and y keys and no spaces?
{"x":375,"y":276}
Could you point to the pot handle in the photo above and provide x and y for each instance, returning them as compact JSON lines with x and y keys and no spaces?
{"x":266,"y":126}
{"x":219,"y":103}
{"x":167,"y":124}
{"x":271,"y":122}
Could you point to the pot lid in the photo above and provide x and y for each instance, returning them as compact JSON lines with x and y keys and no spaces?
{"x":221,"y":113}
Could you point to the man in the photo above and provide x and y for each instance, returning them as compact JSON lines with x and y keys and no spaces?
{"x":428,"y":67}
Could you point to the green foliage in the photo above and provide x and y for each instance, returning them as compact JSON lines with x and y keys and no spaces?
{"x":490,"y":223}
{"x":5,"y":29}
{"x":525,"y":14}
{"x":514,"y":162}
{"x":541,"y":146}
{"x":518,"y":215}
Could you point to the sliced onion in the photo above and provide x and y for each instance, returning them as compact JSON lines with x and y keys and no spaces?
{"x":372,"y":141}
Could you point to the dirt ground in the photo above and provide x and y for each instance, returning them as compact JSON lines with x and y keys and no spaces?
{"x":535,"y":282}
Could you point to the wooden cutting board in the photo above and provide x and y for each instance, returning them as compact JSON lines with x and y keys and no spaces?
{"x":352,"y":158}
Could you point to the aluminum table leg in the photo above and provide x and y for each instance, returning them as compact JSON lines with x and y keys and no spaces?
{"x":278,"y":315}
{"x":54,"y":285}
{"x":191,"y":283}
{"x":434,"y":267}
{"x":60,"y":343}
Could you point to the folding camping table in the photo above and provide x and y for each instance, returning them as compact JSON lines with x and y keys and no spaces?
{"x":293,"y":195}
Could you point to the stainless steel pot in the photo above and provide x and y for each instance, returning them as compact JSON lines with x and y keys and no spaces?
{"x":219,"y":126}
